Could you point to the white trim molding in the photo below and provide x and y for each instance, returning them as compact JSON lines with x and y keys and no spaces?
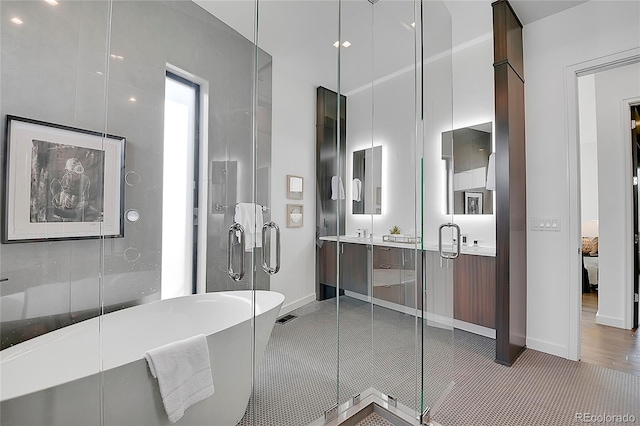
{"x":548,"y":347}
{"x":297,"y":304}
{"x":475,"y":328}
{"x":610,"y":321}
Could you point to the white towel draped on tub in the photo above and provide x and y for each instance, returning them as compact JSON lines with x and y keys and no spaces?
{"x":183,"y":370}
{"x":249,"y":215}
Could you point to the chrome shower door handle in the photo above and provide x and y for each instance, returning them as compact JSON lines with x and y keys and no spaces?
{"x":443,"y":255}
{"x":456,"y":246}
{"x":236,"y":276}
{"x":265,"y":266}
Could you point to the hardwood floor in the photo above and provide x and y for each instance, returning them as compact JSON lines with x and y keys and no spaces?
{"x":609,"y":347}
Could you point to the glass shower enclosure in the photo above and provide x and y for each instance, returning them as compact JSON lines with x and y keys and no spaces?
{"x":128,"y":123}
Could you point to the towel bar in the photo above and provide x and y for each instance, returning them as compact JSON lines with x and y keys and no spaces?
{"x":220,"y":207}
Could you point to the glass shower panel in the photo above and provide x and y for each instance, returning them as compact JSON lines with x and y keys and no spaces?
{"x":440,"y":236}
{"x":396,"y":315}
{"x":52,"y":100}
{"x":395,"y":266}
{"x":379,"y":349}
{"x":356,"y":75}
{"x":296,"y":100}
{"x":210,"y":47}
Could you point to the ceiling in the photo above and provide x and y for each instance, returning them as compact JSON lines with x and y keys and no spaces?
{"x":532,"y":10}
{"x":300,"y":33}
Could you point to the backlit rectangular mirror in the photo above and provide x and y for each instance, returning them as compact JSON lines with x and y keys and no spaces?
{"x":470,"y":167}
{"x":367,"y":181}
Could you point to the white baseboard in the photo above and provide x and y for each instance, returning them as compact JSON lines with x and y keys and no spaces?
{"x":547,"y":347}
{"x":297,"y":304}
{"x":433,"y":320}
{"x":358,"y":296}
{"x":475,"y":328}
{"x":610,"y":321}
{"x":440,"y":321}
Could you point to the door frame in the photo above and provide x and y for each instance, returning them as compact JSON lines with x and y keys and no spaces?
{"x":635,"y":208}
{"x":573,"y":191}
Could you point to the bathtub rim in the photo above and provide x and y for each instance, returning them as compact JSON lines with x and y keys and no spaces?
{"x":41,"y":342}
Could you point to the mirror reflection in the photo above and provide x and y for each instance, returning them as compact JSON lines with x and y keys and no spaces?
{"x":367,"y":181}
{"x":470,"y":169}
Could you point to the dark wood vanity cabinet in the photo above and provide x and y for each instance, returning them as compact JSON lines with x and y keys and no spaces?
{"x":474,"y":281}
{"x":394,"y":272}
{"x":327,"y":263}
{"x":387,"y":275}
{"x":353,"y":266}
{"x":387,"y":258}
{"x":394,"y":275}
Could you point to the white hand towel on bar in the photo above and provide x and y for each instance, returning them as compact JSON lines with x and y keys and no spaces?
{"x":249,"y":215}
{"x":357,"y":189}
{"x":183,"y":370}
{"x":337,"y":188}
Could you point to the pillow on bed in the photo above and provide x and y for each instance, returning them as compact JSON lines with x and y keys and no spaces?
{"x":594,"y":245}
{"x":586,"y":245}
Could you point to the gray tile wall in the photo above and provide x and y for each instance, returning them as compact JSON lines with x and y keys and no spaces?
{"x":50,"y":71}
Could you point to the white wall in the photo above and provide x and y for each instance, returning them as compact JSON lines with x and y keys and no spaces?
{"x":393,"y":127}
{"x":588,"y":151}
{"x":293,"y":152}
{"x":472,"y":104}
{"x":612,"y":87}
{"x":582,"y":33}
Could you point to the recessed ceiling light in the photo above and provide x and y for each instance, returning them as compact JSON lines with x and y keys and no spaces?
{"x":114,"y":56}
{"x":17,"y":21}
{"x":345,"y":44}
{"x":336,"y":44}
{"x":99,"y":73}
{"x":413,"y":24}
{"x":132,"y":99}
{"x":52,"y":2}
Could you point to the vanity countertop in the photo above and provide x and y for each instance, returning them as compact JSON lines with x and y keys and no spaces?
{"x":429,"y":246}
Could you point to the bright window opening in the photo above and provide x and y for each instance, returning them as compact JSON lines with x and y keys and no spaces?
{"x":179,"y":186}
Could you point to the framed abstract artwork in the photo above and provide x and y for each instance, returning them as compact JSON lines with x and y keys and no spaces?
{"x":61,"y":182}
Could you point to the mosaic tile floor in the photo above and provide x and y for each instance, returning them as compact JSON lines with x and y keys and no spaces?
{"x":298,"y":379}
{"x":374,"y":419}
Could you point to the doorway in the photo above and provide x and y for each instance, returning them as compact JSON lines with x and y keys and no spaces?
{"x":608,"y":216}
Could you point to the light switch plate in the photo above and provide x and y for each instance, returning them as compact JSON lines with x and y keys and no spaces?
{"x":545,"y":223}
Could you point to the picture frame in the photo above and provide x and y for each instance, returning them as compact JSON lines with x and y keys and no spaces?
{"x":295,"y":187}
{"x":473,"y":202}
{"x":295,"y":215}
{"x":61,"y":182}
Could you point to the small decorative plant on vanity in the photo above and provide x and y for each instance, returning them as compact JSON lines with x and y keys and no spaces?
{"x":395,"y":230}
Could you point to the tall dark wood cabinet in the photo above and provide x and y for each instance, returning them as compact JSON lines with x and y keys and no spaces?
{"x":511,"y":232}
{"x":331,"y":116}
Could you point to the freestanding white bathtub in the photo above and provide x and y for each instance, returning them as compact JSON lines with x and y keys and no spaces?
{"x":60,"y":378}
